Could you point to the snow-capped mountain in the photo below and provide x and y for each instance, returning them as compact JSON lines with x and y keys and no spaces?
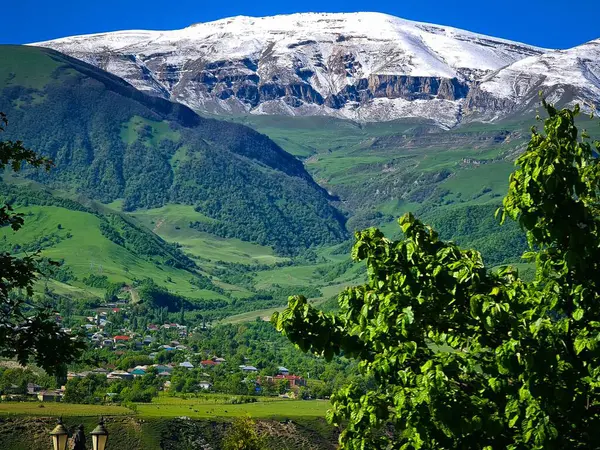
{"x":363,"y":66}
{"x":563,"y":76}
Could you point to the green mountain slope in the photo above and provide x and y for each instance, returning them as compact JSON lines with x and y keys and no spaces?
{"x":110,"y":141}
{"x":97,"y":249}
{"x":211,"y":210}
{"x":452,"y":179}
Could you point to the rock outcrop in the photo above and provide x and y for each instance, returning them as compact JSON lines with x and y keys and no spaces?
{"x":362,"y":66}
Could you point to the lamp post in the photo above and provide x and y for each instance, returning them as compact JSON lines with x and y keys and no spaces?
{"x":60,"y":436}
{"x":99,"y":436}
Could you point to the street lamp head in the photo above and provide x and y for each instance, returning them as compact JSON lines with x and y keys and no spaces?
{"x":60,"y":436}
{"x":99,"y":436}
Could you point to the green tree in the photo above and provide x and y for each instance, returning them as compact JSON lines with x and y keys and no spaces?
{"x":26,"y":331}
{"x":90,"y":389}
{"x":465,"y":357}
{"x":242,"y":436}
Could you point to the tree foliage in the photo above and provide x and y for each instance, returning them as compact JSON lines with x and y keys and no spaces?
{"x":465,"y":357}
{"x":26,"y":332}
{"x":243,"y":436}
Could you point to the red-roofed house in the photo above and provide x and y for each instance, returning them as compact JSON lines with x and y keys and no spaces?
{"x":208,"y":363}
{"x":121,"y":339}
{"x":294,"y":380}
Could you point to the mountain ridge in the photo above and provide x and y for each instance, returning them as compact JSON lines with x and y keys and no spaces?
{"x":359,"y":66}
{"x":571,"y":74}
{"x":113,"y":142}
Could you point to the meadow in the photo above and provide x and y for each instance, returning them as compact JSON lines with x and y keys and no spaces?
{"x":208,"y":407}
{"x":205,"y":406}
{"x":86,"y":250}
{"x":171,"y":222}
{"x":50,"y":409}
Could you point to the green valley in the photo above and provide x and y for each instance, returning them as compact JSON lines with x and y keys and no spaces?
{"x":304,"y":231}
{"x":214,"y":212}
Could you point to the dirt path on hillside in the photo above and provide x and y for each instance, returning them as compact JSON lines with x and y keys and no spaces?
{"x":158,"y":225}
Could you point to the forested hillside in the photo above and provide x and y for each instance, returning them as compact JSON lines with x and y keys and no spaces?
{"x":146,"y":189}
{"x":110,"y":141}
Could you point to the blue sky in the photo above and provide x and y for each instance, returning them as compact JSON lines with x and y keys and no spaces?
{"x":549,"y":23}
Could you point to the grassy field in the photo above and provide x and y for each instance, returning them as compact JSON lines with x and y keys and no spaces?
{"x":152,"y":131}
{"x":171,"y":222}
{"x":85,"y":250}
{"x":207,"y":408}
{"x":60,"y":409}
{"x":265,"y":314}
{"x":80,"y":291}
{"x":32,"y":67}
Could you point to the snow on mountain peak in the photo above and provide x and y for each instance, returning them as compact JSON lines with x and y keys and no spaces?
{"x":364,"y":66}
{"x":567,"y":76}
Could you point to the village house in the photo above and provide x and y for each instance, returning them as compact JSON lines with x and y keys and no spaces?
{"x":50,"y":396}
{"x":162,"y":368}
{"x":187,"y":365}
{"x":208,"y":363}
{"x":294,"y":380}
{"x":248,"y":369}
{"x":205,"y":385}
{"x":33,"y":388}
{"x":121,"y":339}
{"x":283,"y":370}
{"x":119,"y":375}
{"x":71,"y":375}
{"x":139,"y":371}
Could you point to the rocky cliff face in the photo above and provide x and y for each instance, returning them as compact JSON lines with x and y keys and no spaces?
{"x":562,"y":76}
{"x":362,"y":66}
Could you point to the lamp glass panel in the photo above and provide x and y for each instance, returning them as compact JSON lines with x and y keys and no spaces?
{"x":99,"y":441}
{"x":63,"y":438}
{"x":60,"y":441}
